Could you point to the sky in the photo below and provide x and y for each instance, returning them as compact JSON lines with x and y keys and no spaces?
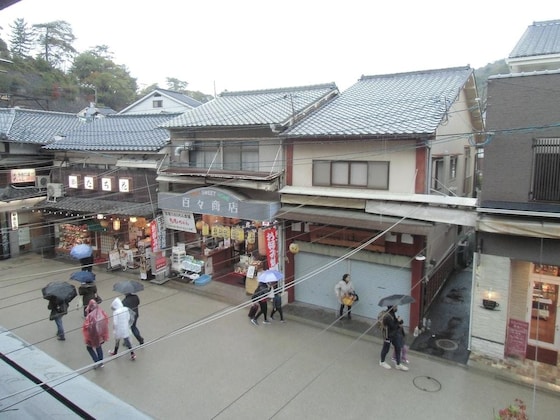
{"x":218,"y":45}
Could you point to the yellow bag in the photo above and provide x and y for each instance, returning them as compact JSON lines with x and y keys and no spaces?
{"x":348,"y":300}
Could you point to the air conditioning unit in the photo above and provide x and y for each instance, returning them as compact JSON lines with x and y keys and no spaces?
{"x":41,"y":181}
{"x":54,"y":191}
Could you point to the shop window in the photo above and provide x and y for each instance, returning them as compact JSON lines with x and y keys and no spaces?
{"x":357,"y":174}
{"x":546,"y":170}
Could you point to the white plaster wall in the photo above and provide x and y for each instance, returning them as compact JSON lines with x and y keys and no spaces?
{"x":400,"y":154}
{"x":488,"y":330}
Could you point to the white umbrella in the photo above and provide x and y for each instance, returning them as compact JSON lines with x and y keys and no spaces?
{"x":270,"y":276}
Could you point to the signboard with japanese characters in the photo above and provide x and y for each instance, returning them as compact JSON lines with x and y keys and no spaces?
{"x":179,"y":220}
{"x":271,"y":239}
{"x":22,"y":175}
{"x":107,"y":183}
{"x":73,"y":181}
{"x":125,"y":185}
{"x":90,"y":182}
{"x":219,"y":202}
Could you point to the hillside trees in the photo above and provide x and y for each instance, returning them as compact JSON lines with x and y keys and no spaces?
{"x":22,"y":39}
{"x":55,"y":40}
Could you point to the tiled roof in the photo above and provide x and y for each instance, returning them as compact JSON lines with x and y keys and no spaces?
{"x":118,"y":133}
{"x":258,"y":107}
{"x":393,"y":104}
{"x":94,"y":205}
{"x":181,"y":97}
{"x":541,"y":38}
{"x":175,"y":96}
{"x":10,"y":193}
{"x":33,"y":126}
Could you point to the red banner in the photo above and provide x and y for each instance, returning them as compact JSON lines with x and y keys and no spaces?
{"x":154,"y":235}
{"x":271,"y":239}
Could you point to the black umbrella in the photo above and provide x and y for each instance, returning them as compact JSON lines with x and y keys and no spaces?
{"x":395,"y":300}
{"x":61,"y":290}
{"x":128,"y":286}
{"x":83,"y":276}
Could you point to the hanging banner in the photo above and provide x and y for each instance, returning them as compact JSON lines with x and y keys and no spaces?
{"x":157,"y":234}
{"x":271,"y":240}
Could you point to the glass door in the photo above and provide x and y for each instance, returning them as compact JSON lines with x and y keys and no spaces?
{"x":544,"y":320}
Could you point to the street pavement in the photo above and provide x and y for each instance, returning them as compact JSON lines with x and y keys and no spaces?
{"x":203,"y":359}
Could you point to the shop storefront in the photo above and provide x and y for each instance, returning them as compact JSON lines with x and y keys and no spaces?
{"x":119,"y":240}
{"x":219,"y":234}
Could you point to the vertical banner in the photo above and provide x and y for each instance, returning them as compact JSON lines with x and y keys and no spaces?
{"x":154,"y":234}
{"x":271,"y":240}
{"x":157,"y":234}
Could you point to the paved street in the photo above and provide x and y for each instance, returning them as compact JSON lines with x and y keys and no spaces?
{"x":203,"y":360}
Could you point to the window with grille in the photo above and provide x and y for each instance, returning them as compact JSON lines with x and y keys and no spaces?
{"x":157,"y":104}
{"x":357,"y":174}
{"x":546,"y":170}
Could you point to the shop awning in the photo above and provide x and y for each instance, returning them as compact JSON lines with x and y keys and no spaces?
{"x":97,"y":206}
{"x":519,"y":227}
{"x":356,"y":219}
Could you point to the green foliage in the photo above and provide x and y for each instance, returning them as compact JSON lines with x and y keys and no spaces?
{"x":22,"y":39}
{"x":55,"y":39}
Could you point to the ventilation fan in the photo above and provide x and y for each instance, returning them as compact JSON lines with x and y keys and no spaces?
{"x":54,"y":191}
{"x":41,"y":181}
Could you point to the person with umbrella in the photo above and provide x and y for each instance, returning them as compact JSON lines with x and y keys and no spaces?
{"x":96,"y":331}
{"x":261,"y":296}
{"x":87,"y":291}
{"x":59,"y":295}
{"x":58,"y":309}
{"x":84,"y":253}
{"x":132,"y":301}
{"x":392,"y":334}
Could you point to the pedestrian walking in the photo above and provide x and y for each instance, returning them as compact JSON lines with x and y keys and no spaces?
{"x":96,"y":332}
{"x":277,"y":303}
{"x":392,"y":335}
{"x":58,"y":308}
{"x":121,"y":327}
{"x":261,"y":296}
{"x":132,"y":301}
{"x":87,"y":291}
{"x":344,"y":291}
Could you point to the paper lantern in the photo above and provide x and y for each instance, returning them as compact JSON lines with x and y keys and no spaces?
{"x":294,"y":248}
{"x":199,"y":225}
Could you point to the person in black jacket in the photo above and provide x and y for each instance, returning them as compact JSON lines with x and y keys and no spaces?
{"x":58,"y":309}
{"x":261,"y":297}
{"x":392,"y":335}
{"x":132,"y":301}
{"x":88,"y":291}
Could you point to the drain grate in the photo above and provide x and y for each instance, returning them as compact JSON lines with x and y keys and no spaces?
{"x":445,"y":344}
{"x":427,"y":383}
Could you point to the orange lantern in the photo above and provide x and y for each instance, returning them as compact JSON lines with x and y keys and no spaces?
{"x":199,"y":225}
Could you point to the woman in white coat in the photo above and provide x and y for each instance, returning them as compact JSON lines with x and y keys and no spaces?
{"x":121,"y":327}
{"x":343,"y":289}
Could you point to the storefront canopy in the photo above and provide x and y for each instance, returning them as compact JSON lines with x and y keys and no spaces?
{"x":97,"y":206}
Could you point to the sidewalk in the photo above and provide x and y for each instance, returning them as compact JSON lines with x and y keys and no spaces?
{"x":446,"y":341}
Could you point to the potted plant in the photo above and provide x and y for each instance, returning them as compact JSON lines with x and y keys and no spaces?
{"x":515,"y":411}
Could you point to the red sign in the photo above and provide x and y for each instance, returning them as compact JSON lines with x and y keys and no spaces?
{"x":161,"y":263}
{"x":517,"y":335}
{"x":154,"y":235}
{"x":271,"y":239}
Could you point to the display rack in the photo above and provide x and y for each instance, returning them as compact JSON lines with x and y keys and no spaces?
{"x":70,"y":235}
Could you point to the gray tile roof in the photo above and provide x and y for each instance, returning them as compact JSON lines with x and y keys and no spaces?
{"x":541,"y":38}
{"x":34,"y":126}
{"x":258,"y":107}
{"x":118,"y":133}
{"x":393,"y":104}
{"x":95,"y":205}
{"x":10,"y":193}
{"x":181,"y":97}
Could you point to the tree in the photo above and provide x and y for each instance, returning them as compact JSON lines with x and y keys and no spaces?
{"x":113,"y":84}
{"x":22,"y":38}
{"x":176,"y":85}
{"x":55,"y":39}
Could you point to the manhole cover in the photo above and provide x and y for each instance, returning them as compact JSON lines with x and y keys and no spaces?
{"x":445,"y":344}
{"x":427,"y":383}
